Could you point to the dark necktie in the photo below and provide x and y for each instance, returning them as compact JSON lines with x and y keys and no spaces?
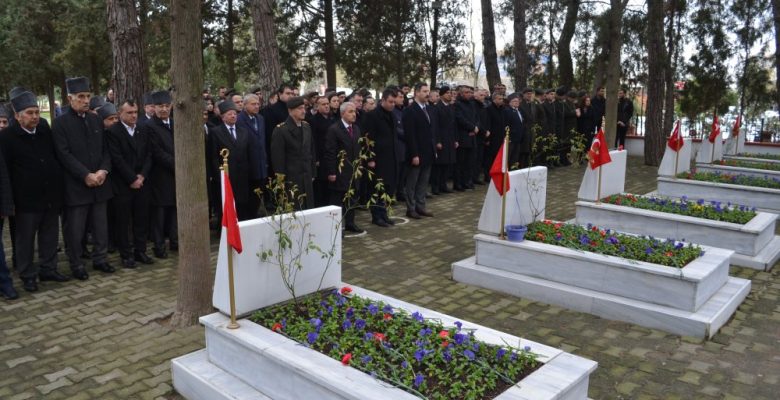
{"x":233,"y":133}
{"x":254,"y":122}
{"x":349,"y":130}
{"x":426,"y":113}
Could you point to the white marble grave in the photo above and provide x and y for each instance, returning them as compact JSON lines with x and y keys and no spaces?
{"x":613,"y":178}
{"x":259,"y":284}
{"x":765,"y":199}
{"x":683,"y":163}
{"x":755,"y":243}
{"x":705,"y":154}
{"x":525,"y":200}
{"x":253,"y":357}
{"x":727,"y":169}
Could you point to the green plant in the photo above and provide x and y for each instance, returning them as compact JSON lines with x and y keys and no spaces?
{"x":577,"y":150}
{"x":732,"y":179}
{"x":765,"y":156}
{"x":769,"y":166}
{"x":713,"y":210}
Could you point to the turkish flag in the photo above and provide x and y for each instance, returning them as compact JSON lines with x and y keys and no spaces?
{"x":737,"y":125}
{"x":598,"y":154}
{"x":715,"y":131}
{"x":499,"y":169}
{"x":676,"y":141}
{"x":229,"y":217}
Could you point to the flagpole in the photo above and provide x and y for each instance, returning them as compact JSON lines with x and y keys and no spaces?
{"x":714,"y":121}
{"x":504,"y":179}
{"x":598,"y":183}
{"x":231,"y":286}
{"x":677,"y":150}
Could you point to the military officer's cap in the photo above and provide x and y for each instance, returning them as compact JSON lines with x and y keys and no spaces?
{"x":294,"y":102}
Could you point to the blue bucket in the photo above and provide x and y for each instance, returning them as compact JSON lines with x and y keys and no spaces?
{"x":516,"y":233}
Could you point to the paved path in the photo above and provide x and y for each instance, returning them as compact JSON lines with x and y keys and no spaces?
{"x":100,"y":339}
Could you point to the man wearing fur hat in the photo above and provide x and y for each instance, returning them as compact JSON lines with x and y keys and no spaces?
{"x":78,"y":138}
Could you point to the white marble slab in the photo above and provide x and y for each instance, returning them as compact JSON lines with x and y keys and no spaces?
{"x":613,"y":178}
{"x":525,"y":200}
{"x":259,"y":284}
{"x":702,"y":323}
{"x":726,"y":169}
{"x":764,"y":199}
{"x":196,"y":378}
{"x":749,"y":239}
{"x":684,"y":288}
{"x":705,"y":155}
{"x":683,"y":163}
{"x":282,"y":369}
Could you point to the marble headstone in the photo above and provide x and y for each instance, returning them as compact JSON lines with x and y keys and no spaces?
{"x":258,"y":283}
{"x":683,"y":164}
{"x":705,"y":154}
{"x":613,"y":178}
{"x":525,"y":201}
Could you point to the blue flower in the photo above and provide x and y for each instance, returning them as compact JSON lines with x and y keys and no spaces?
{"x":475,"y":346}
{"x":447,"y":356}
{"x":312,"y":337}
{"x":469,"y":354}
{"x":418,"y":380}
{"x":404,"y":364}
{"x":458,"y":324}
{"x":360,"y":324}
{"x":373,"y":309}
{"x":419,"y":355}
{"x":612,"y":240}
{"x":460,"y":338}
{"x":425,"y":331}
{"x":346,"y":324}
{"x":622,"y":249}
{"x":284,"y":323}
{"x":590,"y":225}
{"x":340,"y":300}
{"x":527,"y":348}
{"x":315,"y":322}
{"x":700,"y":202}
{"x":649,"y":250}
{"x":366,"y":359}
{"x":684,"y":198}
{"x":368,"y":336}
{"x":350,"y":312}
{"x":387,"y":309}
{"x":319,"y":313}
{"x":500,"y":353}
{"x":417,"y":316}
{"x":584,"y":239}
{"x":678,"y":246}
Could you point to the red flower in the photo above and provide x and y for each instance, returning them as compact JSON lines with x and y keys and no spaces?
{"x":540,"y":235}
{"x":277,"y":327}
{"x":445,"y":343}
{"x":668,"y":254}
{"x":618,"y":201}
{"x":595,"y":229}
{"x":346,"y":358}
{"x":603,"y":233}
{"x":557,"y":226}
{"x":388,"y":317}
{"x":380,"y":337}
{"x":547,"y":222}
{"x":444,"y":334}
{"x":346,"y":290}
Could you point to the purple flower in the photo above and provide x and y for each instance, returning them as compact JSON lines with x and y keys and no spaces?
{"x":366,"y":359}
{"x":387,"y":309}
{"x":425,"y":332}
{"x":360,"y":324}
{"x":418,"y":380}
{"x":346,"y":324}
{"x":512,"y":356}
{"x":700,"y":202}
{"x":368,"y":336}
{"x":678,"y":246}
{"x":460,"y":338}
{"x":447,"y":356}
{"x":373,"y":309}
{"x":316,"y":322}
{"x":500,"y":353}
{"x":649,"y":250}
{"x":475,"y":346}
{"x":340,"y":300}
{"x":319,"y":313}
{"x":284,"y":323}
{"x":622,"y":249}
{"x":417,"y":316}
{"x":350,"y":312}
{"x":584,"y":239}
{"x":404,"y":364}
{"x":458,"y":324}
{"x":469,"y":354}
{"x":312,"y":337}
{"x":612,"y":240}
{"x":419,"y":355}
{"x":527,"y":348}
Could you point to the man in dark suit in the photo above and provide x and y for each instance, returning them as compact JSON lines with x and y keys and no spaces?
{"x":159,"y":132}
{"x":131,"y":158}
{"x":419,"y":127}
{"x":250,"y":120}
{"x":625,"y":110}
{"x":516,"y":120}
{"x":242,"y":161}
{"x":293,"y":154}
{"x":381,"y":130}
{"x":446,"y":145}
{"x":148,"y":113}
{"x":496,"y":125}
{"x":467,"y":124}
{"x":320,"y":122}
{"x":532,"y":114}
{"x":598,"y":104}
{"x":79,"y":140}
{"x":342,"y":149}
{"x":7,"y":289}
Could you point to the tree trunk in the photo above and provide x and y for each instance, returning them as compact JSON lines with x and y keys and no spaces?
{"x":195,"y":277}
{"x":613,"y":66}
{"x":330,"y":45}
{"x":264,"y":28}
{"x":671,"y":66}
{"x":230,"y":54}
{"x":520,"y":44}
{"x":399,"y":42}
{"x":434,"y":63}
{"x":776,"y":14}
{"x":128,"y":78}
{"x":656,"y":53}
{"x":489,"y":45}
{"x":564,"y":44}
{"x":550,"y":70}
{"x":52,"y":100}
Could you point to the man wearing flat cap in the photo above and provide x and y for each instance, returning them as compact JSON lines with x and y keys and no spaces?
{"x":79,"y":140}
{"x":37,"y":182}
{"x":107,"y":113}
{"x":148,"y":111}
{"x":243,"y":162}
{"x":160,"y":132}
{"x":293,"y":153}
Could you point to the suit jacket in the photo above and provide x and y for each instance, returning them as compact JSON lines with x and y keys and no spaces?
{"x":381,"y":130}
{"x":81,"y":148}
{"x":445,"y":133}
{"x":163,"y":173}
{"x":319,"y":130}
{"x":293,"y":155}
{"x":242,"y":161}
{"x":338,"y":140}
{"x":625,"y":111}
{"x":466,"y":119}
{"x":496,"y":124}
{"x":418,"y":131}
{"x":517,"y":128}
{"x":130,"y":156}
{"x":6,"y":195}
{"x":258,"y":147}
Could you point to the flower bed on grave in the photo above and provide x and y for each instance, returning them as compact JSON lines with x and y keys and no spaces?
{"x":765,"y":156}
{"x":733,"y":179}
{"x":605,"y":241}
{"x":768,"y":166}
{"x":713,"y":210}
{"x":420,"y":356}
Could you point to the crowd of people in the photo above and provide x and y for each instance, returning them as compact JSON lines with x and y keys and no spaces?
{"x":105,"y":168}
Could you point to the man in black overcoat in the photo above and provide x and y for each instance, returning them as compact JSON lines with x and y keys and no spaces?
{"x":419,"y":127}
{"x":446,"y":145}
{"x":160,"y":133}
{"x":320,"y":122}
{"x":625,"y":110}
{"x":82,"y":151}
{"x":516,"y":120}
{"x":381,"y":129}
{"x":131,"y":158}
{"x":293,"y":154}
{"x":342,"y":150}
{"x":497,"y":127}
{"x":467,"y":124}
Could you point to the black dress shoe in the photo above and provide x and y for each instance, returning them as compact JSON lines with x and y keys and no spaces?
{"x":160,"y":253}
{"x":445,"y":190}
{"x":105,"y":267}
{"x":128,"y":263}
{"x":52,"y":275}
{"x":458,"y":189}
{"x":388,"y":221}
{"x":353,"y":228}
{"x":413,"y":215}
{"x":9,"y":292}
{"x":30,"y":285}
{"x":143,"y":258}
{"x":424,"y":213}
{"x":80,"y":273}
{"x":379,"y":222}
